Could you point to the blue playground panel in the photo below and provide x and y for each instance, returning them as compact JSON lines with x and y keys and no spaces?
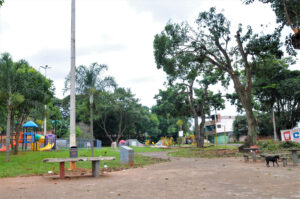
{"x":25,"y":141}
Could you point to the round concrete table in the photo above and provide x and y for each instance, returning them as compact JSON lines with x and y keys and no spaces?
{"x":294,"y":155}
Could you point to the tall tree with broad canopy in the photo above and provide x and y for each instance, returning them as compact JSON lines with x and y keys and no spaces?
{"x":211,"y":41}
{"x":89,"y":82}
{"x":277,"y":89}
{"x":37,"y":91}
{"x":287,"y":13}
{"x":117,"y":112}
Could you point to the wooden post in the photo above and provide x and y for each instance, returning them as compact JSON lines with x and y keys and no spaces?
{"x":224,"y":136}
{"x":62,"y":170}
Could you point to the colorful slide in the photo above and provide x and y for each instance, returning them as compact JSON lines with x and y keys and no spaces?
{"x":3,"y":148}
{"x":47,"y":147}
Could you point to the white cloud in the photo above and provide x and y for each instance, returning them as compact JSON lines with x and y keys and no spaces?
{"x":118,"y":33}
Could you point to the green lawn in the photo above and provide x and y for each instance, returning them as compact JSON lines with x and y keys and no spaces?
{"x":209,"y":152}
{"x":30,"y":163}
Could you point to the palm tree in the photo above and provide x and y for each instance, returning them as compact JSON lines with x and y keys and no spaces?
{"x":89,"y":82}
{"x":9,"y":92}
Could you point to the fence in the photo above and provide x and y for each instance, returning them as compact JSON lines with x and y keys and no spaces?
{"x":80,"y":142}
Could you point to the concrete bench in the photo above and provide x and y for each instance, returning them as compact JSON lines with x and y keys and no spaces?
{"x":95,"y":163}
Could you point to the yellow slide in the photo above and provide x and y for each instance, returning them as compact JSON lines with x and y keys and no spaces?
{"x":47,"y":147}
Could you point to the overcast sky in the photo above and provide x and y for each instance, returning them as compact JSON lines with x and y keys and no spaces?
{"x":118,"y":33}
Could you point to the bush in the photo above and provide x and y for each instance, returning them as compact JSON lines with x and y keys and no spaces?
{"x":271,"y":145}
{"x":289,"y":144}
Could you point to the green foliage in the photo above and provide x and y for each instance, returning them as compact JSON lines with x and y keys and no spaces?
{"x":287,"y":13}
{"x":269,"y":145}
{"x":278,"y":6}
{"x":289,"y":144}
{"x":273,"y":146}
{"x":31,"y":163}
{"x":77,"y":130}
{"x":240,"y":126}
{"x":277,"y":87}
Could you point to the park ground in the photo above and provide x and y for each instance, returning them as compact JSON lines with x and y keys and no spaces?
{"x":197,"y":178}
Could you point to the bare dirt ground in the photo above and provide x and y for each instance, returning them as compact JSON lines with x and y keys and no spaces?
{"x":179,"y":178}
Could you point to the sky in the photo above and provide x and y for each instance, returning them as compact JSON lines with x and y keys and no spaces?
{"x":118,"y":33}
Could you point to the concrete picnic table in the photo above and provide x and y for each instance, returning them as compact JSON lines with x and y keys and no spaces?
{"x":294,"y":155}
{"x":95,"y":163}
{"x":253,"y":154}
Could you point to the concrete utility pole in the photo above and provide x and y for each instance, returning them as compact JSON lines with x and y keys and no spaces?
{"x":45,"y":116}
{"x":72,"y":90}
{"x":274,"y":124}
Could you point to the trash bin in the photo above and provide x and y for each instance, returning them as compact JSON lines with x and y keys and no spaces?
{"x":73,"y":152}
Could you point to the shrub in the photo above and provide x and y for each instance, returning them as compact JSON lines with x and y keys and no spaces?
{"x":289,"y":144}
{"x":271,"y":145}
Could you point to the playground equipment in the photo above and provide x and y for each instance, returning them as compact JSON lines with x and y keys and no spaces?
{"x":4,"y":147}
{"x":34,"y":139}
{"x":49,"y":143}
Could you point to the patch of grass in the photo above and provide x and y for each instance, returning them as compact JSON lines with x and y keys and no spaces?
{"x":31,"y":163}
{"x":136,"y":149}
{"x":149,"y":149}
{"x":210,"y":152}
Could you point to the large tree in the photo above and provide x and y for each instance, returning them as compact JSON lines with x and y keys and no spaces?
{"x":9,"y":93}
{"x":277,"y":90}
{"x":211,"y":40}
{"x":117,"y":113}
{"x":287,"y":13}
{"x":88,"y":82}
{"x":37,"y":91}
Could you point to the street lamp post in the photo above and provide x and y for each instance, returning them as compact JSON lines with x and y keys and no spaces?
{"x":45,"y":115}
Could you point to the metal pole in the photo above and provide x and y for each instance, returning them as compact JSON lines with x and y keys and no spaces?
{"x":45,"y":115}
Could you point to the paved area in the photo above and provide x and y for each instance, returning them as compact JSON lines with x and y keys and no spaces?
{"x":180,"y":178}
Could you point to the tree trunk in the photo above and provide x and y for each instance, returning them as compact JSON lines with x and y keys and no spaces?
{"x":8,"y":130}
{"x":92,"y":124}
{"x":194,"y":111}
{"x":245,"y":97}
{"x":202,"y":130}
{"x":16,"y":148}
